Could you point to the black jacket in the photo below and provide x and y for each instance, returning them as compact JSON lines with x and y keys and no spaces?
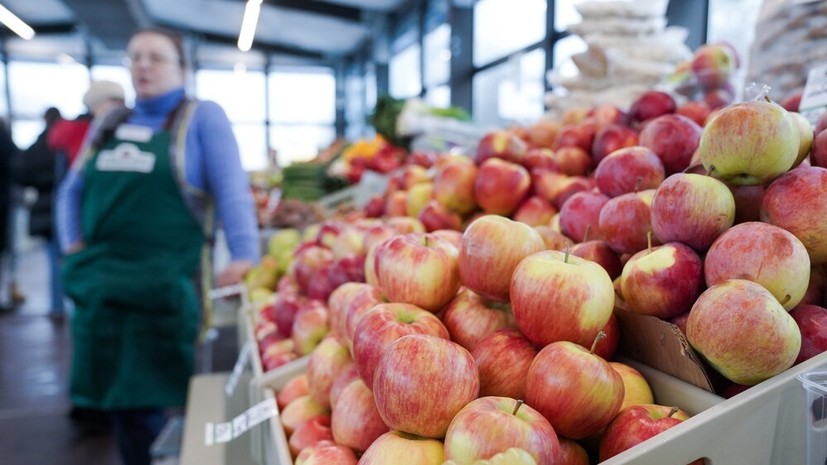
{"x":36,"y":167}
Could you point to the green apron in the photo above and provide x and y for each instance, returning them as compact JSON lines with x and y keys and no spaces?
{"x":137,"y":310}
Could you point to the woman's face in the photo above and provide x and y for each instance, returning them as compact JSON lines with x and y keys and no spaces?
{"x":154,"y":64}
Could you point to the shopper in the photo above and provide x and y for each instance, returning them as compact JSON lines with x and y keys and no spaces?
{"x":36,"y":167}
{"x":7,"y":151}
{"x":134,"y":213}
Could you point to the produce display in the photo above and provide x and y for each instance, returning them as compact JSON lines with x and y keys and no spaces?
{"x":471,"y":313}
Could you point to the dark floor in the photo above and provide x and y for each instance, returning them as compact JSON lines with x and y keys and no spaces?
{"x":35,"y":352}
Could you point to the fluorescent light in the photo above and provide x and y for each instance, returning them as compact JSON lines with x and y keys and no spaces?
{"x":248,"y":25}
{"x":15,"y":24}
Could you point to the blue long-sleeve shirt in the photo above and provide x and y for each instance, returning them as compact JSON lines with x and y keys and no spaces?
{"x":212,"y":164}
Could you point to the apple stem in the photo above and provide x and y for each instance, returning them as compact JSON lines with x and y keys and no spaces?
{"x":786,"y":299}
{"x":649,"y":242}
{"x":566,"y":257}
{"x":586,"y":234}
{"x":673,"y":411}
{"x":767,"y":98}
{"x":710,"y":170}
{"x":517,"y":406}
{"x":597,"y":339}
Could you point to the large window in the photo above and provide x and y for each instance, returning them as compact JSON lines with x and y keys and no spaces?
{"x":437,"y":62}
{"x":502,"y":27}
{"x":403,"y":69}
{"x":511,"y":92}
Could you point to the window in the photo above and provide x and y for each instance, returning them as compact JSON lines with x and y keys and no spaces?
{"x":117,"y":74}
{"x":252,"y":145}
{"x":511,"y":92}
{"x":240,"y":93}
{"x":31,"y":95}
{"x":438,"y":56}
{"x":439,"y":97}
{"x":501,"y":27}
{"x":403,"y":70}
{"x":299,"y":142}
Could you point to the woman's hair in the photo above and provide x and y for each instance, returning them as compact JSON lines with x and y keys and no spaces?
{"x":174,"y":37}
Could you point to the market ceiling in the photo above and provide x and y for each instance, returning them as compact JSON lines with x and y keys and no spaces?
{"x":301,"y":28}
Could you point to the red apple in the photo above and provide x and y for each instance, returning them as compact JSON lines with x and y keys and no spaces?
{"x":278,"y":353}
{"x":310,"y":433}
{"x":747,"y":202}
{"x":763,"y":253}
{"x":396,"y":204}
{"x":577,"y":135}
{"x":328,"y":360}
{"x":490,"y":425}
{"x":812,"y":322}
{"x":417,"y":197}
{"x":300,"y":410}
{"x":750,"y":143}
{"x":651,"y":104}
{"x":572,"y":453}
{"x":606,"y":114}
{"x":411,"y":175}
{"x":636,"y":389}
{"x":503,"y":358}
{"x":573,"y":161}
{"x":454,"y":185}
{"x":535,"y":211}
{"x":452,"y":236}
{"x":806,"y":136}
{"x":630,"y":169}
{"x":540,"y":158}
{"x":592,"y":389}
{"x":405,"y":225}
{"x":558,"y":297}
{"x":337,"y":305}
{"x":398,"y":447}
{"x":674,"y":138}
{"x":635,"y":425}
{"x":341,"y":381}
{"x":796,"y":202}
{"x":295,"y":388}
{"x":557,"y":187}
{"x":737,"y":310}
{"x":692,"y":208}
{"x":384,"y":324}
{"x":816,"y":288}
{"x":580,"y":213}
{"x":664,"y":281}
{"x":542,"y":133}
{"x":500,"y":144}
{"x":612,"y":138}
{"x":310,"y":327}
{"x":501,"y":186}
{"x":326,"y":453}
{"x":718,"y":98}
{"x":554,"y":240}
{"x":435,"y":216}
{"x":713,"y":64}
{"x":422,"y":382}
{"x":600,"y":253}
{"x":696,"y":111}
{"x":308,"y":262}
{"x":607,"y":347}
{"x":361,"y":303}
{"x":355,"y":421}
{"x":492,"y":246}
{"x":470,"y":317}
{"x":419,"y":269}
{"x":625,"y":221}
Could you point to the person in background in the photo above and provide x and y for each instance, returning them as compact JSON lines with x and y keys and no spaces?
{"x":67,"y":136}
{"x":7,"y":152}
{"x":134,"y":214}
{"x":35,"y":167}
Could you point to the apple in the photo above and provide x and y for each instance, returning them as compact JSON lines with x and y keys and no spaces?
{"x":540,"y":158}
{"x":337,"y":304}
{"x":750,"y":143}
{"x":580,"y":213}
{"x":490,"y":425}
{"x":796,"y":202}
{"x":384,"y":324}
{"x":557,"y":187}
{"x":492,"y":247}
{"x":451,"y":236}
{"x":573,"y":161}
{"x":611,"y":138}
{"x":635,"y":387}
{"x":405,"y":225}
{"x":600,"y":253}
{"x":327,"y":233}
{"x":793,"y":101}
{"x":821,"y":123}
{"x":818,"y":151}
{"x":327,"y":361}
{"x":341,"y":381}
{"x":812,"y":322}
{"x":278,"y":353}
{"x":398,"y":447}
{"x":503,"y":358}
{"x":542,"y":133}
{"x":625,"y":221}
{"x":692,"y":208}
{"x":355,"y":422}
{"x":572,"y":453}
{"x":579,"y":135}
{"x":470,"y":317}
{"x":300,"y":410}
{"x":607,"y":347}
{"x":349,"y":241}
{"x":763,"y":253}
{"x":636,"y":424}
{"x":663,"y":281}
{"x":293,"y":389}
{"x":307,"y":263}
{"x":396,"y":204}
{"x":592,"y":389}
{"x":719,"y":98}
{"x":554,"y":240}
{"x":748,"y":201}
{"x":694,"y":110}
{"x":419,"y":269}
{"x":416,"y":198}
{"x":326,"y":453}
{"x":422,"y":382}
{"x":411,"y":175}
{"x":534,"y":211}
{"x":737,"y":310}
{"x":806,"y":136}
{"x":674,"y":138}
{"x":454,"y":185}
{"x":559,"y":297}
{"x":816,"y":288}
{"x":713,"y":64}
{"x":375,"y":208}
{"x":435,"y":216}
{"x":310,"y":433}
{"x":500,"y":144}
{"x":361,"y":303}
{"x":501,"y":186}
{"x":310,"y":327}
{"x":606,"y":114}
{"x":629,"y":169}
{"x":651,"y":104}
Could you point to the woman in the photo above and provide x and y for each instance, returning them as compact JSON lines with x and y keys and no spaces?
{"x":134,"y":213}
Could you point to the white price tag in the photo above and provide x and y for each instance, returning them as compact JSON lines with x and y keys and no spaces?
{"x":217,"y":433}
{"x":238,"y":369}
{"x":814,"y":99}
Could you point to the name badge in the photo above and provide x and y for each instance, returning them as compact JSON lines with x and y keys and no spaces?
{"x":125,"y":157}
{"x":133,"y":133}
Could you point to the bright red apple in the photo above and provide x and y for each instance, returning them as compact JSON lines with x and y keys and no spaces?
{"x":630,"y":169}
{"x":625,"y":221}
{"x":327,"y":361}
{"x":503,"y":358}
{"x":674,"y":138}
{"x":355,"y":422}
{"x":470,"y":317}
{"x":812,"y":322}
{"x":635,"y":425}
{"x":581,"y":213}
{"x":612,"y":138}
{"x":501,"y":186}
{"x":398,"y":447}
{"x":651,"y":104}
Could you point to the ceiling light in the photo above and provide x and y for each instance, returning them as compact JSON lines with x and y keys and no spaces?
{"x":248,"y":25}
{"x":15,"y":24}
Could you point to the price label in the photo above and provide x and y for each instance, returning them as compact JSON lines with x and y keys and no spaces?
{"x":218,"y":433}
{"x":238,"y":369}
{"x":814,"y":99}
